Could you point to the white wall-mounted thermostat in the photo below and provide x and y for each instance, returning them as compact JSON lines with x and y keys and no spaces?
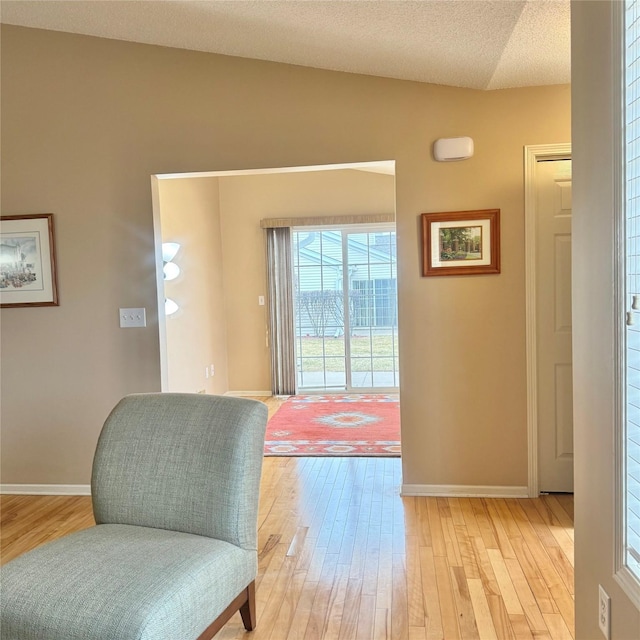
{"x":452,"y":149}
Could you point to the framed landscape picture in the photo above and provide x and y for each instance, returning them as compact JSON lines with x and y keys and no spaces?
{"x":461,"y":243}
{"x":27,"y":261}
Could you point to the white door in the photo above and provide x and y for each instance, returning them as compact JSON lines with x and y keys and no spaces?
{"x":553,"y":325}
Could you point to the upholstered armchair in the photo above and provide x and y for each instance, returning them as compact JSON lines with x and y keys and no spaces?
{"x":173,"y":555}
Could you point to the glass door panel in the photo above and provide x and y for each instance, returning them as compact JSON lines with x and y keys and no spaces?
{"x":319,"y":309}
{"x":372,"y":269}
{"x":357,"y":349}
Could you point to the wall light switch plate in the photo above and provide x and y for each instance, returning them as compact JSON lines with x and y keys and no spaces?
{"x":133,"y":318}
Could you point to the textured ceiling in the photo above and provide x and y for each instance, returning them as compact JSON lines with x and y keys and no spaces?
{"x":482,"y":44}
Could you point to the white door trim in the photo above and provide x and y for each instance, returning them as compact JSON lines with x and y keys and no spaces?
{"x":532,"y":154}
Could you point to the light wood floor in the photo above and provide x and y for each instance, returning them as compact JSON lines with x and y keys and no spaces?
{"x":342,"y":555}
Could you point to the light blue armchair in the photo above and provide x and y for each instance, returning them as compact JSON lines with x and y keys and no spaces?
{"x":174,"y":553}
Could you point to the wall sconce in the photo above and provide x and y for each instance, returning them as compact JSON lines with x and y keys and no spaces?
{"x":170,"y":269}
{"x":170,"y":307}
{"x":169,"y":250}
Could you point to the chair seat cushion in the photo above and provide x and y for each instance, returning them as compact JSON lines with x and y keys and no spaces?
{"x":122,"y":582}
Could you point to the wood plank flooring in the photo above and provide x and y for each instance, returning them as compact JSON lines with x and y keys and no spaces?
{"x":343,"y":556}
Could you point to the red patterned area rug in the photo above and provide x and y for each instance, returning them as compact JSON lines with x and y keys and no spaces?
{"x":335,"y":425}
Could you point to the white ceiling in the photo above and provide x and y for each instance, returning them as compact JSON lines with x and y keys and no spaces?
{"x":482,"y":44}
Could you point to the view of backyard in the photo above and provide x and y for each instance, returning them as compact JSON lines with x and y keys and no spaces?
{"x":368,"y":353}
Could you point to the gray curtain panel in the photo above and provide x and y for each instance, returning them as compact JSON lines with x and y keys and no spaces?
{"x":282,"y":330}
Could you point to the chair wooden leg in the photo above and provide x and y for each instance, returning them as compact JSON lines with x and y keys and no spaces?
{"x":248,"y":609}
{"x":245,"y":602}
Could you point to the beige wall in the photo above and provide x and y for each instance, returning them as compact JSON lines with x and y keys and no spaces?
{"x":196,"y":335}
{"x":86,"y":121}
{"x":594,"y":248}
{"x":244,"y":201}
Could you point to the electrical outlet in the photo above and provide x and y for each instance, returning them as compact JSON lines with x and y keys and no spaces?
{"x":604,"y":611}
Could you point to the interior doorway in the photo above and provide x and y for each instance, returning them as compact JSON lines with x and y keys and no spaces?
{"x":219,"y":339}
{"x":549,"y":324}
{"x":345,"y":298}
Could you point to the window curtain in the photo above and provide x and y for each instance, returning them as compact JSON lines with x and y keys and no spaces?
{"x":281,"y":320}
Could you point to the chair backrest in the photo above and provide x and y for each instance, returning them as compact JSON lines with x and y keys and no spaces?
{"x":184,"y":462}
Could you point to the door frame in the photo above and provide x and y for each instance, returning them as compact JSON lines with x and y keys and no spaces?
{"x":532,"y":155}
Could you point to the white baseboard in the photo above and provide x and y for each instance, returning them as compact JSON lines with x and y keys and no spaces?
{"x":463,"y":491}
{"x":431,"y":490}
{"x":242,"y":394}
{"x":47,"y":489}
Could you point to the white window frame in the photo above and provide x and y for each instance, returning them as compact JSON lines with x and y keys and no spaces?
{"x":628,"y":579}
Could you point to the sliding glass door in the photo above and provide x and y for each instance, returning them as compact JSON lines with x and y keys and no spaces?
{"x":345,"y":295}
